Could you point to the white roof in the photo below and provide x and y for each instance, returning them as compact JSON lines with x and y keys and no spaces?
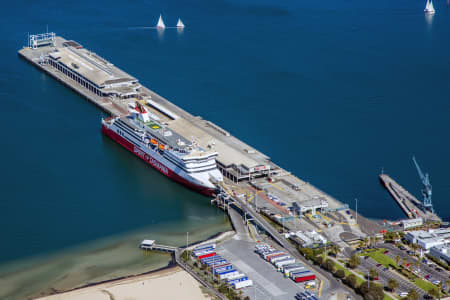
{"x":148,"y":242}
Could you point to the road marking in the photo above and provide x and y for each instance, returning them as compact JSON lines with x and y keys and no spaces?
{"x":320,"y":288}
{"x":277,"y":187}
{"x":251,"y":231}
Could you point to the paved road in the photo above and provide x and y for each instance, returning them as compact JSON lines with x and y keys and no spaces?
{"x":330,"y":283}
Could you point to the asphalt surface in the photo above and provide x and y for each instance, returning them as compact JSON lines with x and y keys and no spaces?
{"x":384,"y":276}
{"x":423,"y":270}
{"x":330,"y":284}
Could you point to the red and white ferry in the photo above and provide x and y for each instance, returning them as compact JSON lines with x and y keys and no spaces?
{"x":165,"y":150}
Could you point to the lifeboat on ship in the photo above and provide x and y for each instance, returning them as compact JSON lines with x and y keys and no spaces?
{"x":154,"y":142}
{"x":161,"y":147}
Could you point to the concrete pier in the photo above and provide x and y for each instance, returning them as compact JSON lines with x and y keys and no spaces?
{"x":113,"y":90}
{"x":407,"y":202}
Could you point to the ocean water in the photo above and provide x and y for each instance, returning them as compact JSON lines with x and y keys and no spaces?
{"x":333,"y":91}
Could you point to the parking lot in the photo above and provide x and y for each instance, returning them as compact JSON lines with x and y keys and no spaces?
{"x":423,"y":270}
{"x":267,"y":282}
{"x":384,"y":275}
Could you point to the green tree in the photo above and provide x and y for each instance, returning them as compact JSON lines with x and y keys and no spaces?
{"x":412,"y":295}
{"x":351,"y":281}
{"x":340,"y":274}
{"x":371,"y":291}
{"x":354,"y":261}
{"x":329,"y":265}
{"x":318,"y":260}
{"x":392,"y":284}
{"x":373,"y":273}
{"x":433,"y":292}
{"x":335,"y":249}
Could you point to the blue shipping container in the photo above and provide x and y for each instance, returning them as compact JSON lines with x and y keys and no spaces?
{"x":243,"y":278}
{"x":216,"y":262}
{"x":224,"y":268}
{"x":226,"y":272}
{"x":211,"y":257}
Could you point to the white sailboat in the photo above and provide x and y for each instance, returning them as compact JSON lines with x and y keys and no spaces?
{"x":160,"y":24}
{"x":180,"y":24}
{"x":429,"y":8}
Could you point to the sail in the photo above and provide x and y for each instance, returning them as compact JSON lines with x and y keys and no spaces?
{"x":431,"y":7}
{"x":160,"y":23}
{"x":180,"y":24}
{"x":427,"y":5}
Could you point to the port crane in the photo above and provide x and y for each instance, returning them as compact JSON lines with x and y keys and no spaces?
{"x":426,"y":190}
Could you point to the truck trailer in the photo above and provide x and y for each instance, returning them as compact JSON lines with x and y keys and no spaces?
{"x":242,"y":284}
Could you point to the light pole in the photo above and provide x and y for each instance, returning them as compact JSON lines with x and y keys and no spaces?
{"x":187,"y":243}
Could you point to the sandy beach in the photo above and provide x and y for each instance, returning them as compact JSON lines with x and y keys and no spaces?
{"x":173,"y":283}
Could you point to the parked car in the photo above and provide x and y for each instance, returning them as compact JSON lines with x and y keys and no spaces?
{"x":403,"y":294}
{"x":385,"y":268}
{"x":436,"y":282}
{"x":401,"y":247}
{"x":438,"y":269}
{"x":386,"y":252}
{"x":378,"y":265}
{"x":428,"y":276}
{"x":366,"y":257}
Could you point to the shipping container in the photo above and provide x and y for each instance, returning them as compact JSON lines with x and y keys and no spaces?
{"x":206,"y":246}
{"x":303,"y":277}
{"x":287,"y":272}
{"x":207,"y":255}
{"x":274,"y":258}
{"x":225,"y":268}
{"x":238,"y":275}
{"x":290,"y":266}
{"x":202,"y":252}
{"x":227,"y":274}
{"x":242,"y":284}
{"x":271,"y":253}
{"x":220,"y":266}
{"x":234,"y":280}
{"x":284,"y":262}
{"x":226,"y":271}
{"x":215,"y":262}
{"x":207,"y":259}
{"x":299,"y":272}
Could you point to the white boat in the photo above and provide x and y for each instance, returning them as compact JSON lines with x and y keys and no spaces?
{"x":429,"y":8}
{"x":165,"y":150}
{"x":180,"y":24}
{"x":160,"y":24}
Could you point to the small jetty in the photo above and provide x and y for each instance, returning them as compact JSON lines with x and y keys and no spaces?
{"x":151,"y":245}
{"x":412,"y":207}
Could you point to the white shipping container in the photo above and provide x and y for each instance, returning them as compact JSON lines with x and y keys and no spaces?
{"x":243,"y":284}
{"x":235,"y":276}
{"x":228,"y":275}
{"x":280,"y":257}
{"x":281,"y":263}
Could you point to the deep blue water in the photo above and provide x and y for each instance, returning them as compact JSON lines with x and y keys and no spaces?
{"x":331,"y":90}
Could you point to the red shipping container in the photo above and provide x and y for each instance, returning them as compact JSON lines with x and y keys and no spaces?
{"x":305,"y":278}
{"x":207,"y":255}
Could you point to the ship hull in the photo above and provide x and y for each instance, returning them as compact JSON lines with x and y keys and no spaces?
{"x":156,"y":164}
